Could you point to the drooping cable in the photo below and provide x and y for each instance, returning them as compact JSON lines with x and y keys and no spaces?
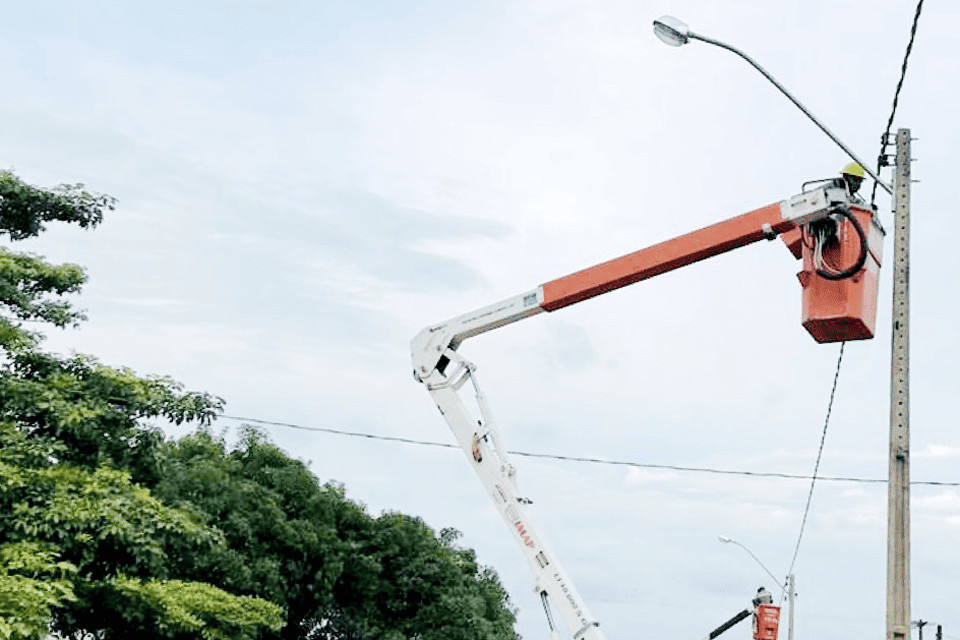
{"x":881,"y":159}
{"x":816,"y":467}
{"x":548,"y":456}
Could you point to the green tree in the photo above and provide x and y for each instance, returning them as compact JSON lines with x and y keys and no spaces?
{"x":25,"y":208}
{"x":340,"y":573}
{"x":109,"y":532}
{"x":30,"y":289}
{"x":31,"y":585}
{"x":85,"y":544}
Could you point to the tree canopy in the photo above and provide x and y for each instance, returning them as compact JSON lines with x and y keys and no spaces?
{"x":107,"y":530}
{"x":25,"y":208}
{"x":85,"y":549}
{"x":339,"y":572}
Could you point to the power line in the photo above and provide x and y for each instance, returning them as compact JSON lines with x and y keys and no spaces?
{"x":816,"y":467}
{"x":622,"y":463}
{"x":881,"y":159}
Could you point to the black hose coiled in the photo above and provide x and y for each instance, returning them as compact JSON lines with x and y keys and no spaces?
{"x":846,"y":273}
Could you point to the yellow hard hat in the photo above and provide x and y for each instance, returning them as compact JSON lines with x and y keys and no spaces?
{"x":853,"y":169}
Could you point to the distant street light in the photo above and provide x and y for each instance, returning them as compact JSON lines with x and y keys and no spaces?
{"x":790,"y":584}
{"x":675,"y":33}
{"x":726,"y":540}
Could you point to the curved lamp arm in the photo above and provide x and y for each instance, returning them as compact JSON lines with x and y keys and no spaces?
{"x":675,"y":33}
{"x":727,"y":540}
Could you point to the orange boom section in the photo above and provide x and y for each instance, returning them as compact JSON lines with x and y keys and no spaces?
{"x":663,"y":257}
{"x":833,"y":309}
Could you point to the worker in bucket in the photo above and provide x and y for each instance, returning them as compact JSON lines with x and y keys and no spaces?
{"x":853,"y":177}
{"x":763,"y":597}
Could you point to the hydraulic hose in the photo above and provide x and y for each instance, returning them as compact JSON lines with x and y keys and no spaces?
{"x":846,"y":273}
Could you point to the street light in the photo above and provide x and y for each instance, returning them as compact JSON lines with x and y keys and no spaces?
{"x":790,"y":582}
{"x":726,"y":540}
{"x":675,"y":33}
{"x":672,"y":31}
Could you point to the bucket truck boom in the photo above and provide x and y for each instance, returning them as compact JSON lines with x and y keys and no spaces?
{"x":819,"y":225}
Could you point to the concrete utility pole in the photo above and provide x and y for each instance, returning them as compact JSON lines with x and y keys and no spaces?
{"x":898,"y":491}
{"x":791,"y":594}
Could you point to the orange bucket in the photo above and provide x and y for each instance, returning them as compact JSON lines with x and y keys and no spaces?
{"x":839,"y":310}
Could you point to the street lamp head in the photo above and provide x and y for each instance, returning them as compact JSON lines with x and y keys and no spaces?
{"x":672,"y":31}
{"x":724,"y":539}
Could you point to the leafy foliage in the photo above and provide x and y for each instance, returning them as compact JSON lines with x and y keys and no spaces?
{"x":401,"y":581}
{"x":166,"y":608}
{"x":110,"y":532}
{"x":98,"y":518}
{"x":111,"y":536}
{"x":29,"y":286}
{"x":31,"y":584}
{"x":26,"y":282}
{"x":94,"y":410}
{"x":25,"y":208}
{"x":339,"y":572}
{"x":85,"y":543}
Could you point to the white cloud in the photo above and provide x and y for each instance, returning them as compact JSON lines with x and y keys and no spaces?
{"x":146,"y":302}
{"x":938,"y":452}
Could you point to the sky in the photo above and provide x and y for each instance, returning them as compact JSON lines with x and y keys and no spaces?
{"x":303,"y":186}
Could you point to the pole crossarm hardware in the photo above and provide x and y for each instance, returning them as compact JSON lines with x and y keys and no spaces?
{"x":675,"y":33}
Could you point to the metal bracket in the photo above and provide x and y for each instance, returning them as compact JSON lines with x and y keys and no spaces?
{"x":813,"y":205}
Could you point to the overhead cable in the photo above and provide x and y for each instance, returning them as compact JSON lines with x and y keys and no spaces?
{"x":816,"y":466}
{"x":881,"y":160}
{"x":622,"y":463}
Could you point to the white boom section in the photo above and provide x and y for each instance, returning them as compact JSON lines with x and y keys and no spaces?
{"x":483,"y":447}
{"x":429,"y":345}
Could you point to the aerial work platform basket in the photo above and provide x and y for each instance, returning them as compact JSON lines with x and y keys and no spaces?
{"x":766,"y":622}
{"x":844,"y":309}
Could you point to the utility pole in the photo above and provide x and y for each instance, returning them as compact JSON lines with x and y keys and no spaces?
{"x":791,"y":594}
{"x":898,"y":489}
{"x":920,"y":624}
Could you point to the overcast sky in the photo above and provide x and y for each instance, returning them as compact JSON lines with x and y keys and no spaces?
{"x":303,"y":186}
